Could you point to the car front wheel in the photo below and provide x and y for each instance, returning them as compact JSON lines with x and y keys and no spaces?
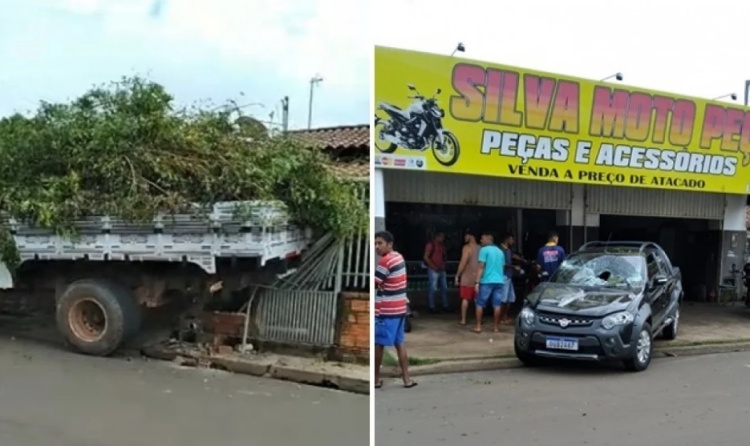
{"x":642,"y":351}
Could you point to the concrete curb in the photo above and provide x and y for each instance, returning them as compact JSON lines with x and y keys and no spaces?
{"x":485,"y":364}
{"x":703,"y":349}
{"x":264,"y":368}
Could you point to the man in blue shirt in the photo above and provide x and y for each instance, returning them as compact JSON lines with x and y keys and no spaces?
{"x":550,"y":256}
{"x":490,"y":280}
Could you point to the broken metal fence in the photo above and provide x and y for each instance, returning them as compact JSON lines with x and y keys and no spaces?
{"x":303,"y":308}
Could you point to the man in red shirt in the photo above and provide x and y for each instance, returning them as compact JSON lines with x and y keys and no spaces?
{"x":390,"y":306}
{"x":435,"y":259}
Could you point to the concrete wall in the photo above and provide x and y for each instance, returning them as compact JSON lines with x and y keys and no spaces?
{"x":378,"y":197}
{"x":733,"y":240}
{"x":577,"y":226}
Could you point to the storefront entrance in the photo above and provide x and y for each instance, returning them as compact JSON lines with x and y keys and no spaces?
{"x":413,"y":225}
{"x":690,"y":244}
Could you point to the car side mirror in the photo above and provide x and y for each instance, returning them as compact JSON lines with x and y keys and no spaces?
{"x":438,"y":91}
{"x":411,"y":87}
{"x":660,"y":279}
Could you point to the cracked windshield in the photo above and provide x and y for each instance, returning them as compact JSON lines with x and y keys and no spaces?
{"x":609,"y":271}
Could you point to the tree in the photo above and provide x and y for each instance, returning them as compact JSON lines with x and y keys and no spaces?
{"x":125,"y":150}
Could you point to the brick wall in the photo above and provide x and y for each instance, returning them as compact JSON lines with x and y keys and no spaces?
{"x":354,"y":332}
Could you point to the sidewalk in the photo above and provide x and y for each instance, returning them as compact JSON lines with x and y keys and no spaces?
{"x":437,"y":339}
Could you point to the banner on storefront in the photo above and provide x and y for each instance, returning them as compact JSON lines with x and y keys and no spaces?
{"x":445,"y":114}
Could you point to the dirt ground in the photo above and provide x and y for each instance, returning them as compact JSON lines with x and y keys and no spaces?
{"x":441,"y":338}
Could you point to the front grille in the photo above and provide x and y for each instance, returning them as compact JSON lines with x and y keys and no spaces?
{"x":568,"y":321}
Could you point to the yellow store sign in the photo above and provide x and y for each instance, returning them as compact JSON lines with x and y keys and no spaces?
{"x":444,"y":114}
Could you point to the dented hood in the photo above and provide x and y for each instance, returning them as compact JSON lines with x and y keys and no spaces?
{"x":587,"y":301}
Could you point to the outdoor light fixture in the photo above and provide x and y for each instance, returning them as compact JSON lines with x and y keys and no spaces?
{"x":732,"y":96}
{"x":617,"y":76}
{"x":460,"y":48}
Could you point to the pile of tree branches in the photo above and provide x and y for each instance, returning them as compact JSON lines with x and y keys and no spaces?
{"x":125,"y":150}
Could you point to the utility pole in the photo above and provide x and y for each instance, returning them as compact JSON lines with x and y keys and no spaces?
{"x":313,"y":82}
{"x":285,"y":114}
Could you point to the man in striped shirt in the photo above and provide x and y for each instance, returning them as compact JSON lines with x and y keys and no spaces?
{"x":390,"y":306}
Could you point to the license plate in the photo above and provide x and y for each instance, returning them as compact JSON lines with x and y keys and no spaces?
{"x":562,"y":343}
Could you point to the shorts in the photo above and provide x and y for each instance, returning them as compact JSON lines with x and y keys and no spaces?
{"x":467,"y":292}
{"x":490,"y":292}
{"x":509,"y":294}
{"x":389,"y":331}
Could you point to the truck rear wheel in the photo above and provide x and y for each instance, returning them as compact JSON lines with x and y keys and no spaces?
{"x":97,"y":316}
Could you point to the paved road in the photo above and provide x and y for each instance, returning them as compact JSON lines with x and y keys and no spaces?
{"x":49,"y":396}
{"x":691,"y":401}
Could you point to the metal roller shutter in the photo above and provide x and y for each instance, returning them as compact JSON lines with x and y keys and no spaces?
{"x":632,"y":201}
{"x":428,"y":187}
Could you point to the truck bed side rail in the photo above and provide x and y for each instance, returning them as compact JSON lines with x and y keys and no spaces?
{"x":267,"y":234}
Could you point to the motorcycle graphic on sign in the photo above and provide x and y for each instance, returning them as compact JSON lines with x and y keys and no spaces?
{"x":419,"y":127}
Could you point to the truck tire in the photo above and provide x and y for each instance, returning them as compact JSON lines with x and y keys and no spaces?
{"x":97,"y":316}
{"x":133,"y":322}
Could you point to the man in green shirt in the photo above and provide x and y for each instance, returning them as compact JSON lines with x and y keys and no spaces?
{"x":490,"y":280}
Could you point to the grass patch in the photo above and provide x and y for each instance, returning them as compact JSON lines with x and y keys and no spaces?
{"x":390,"y":360}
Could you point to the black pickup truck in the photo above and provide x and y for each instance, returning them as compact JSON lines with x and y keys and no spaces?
{"x":607,"y":301}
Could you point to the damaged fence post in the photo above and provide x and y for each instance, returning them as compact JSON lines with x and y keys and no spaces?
{"x":247,"y":318}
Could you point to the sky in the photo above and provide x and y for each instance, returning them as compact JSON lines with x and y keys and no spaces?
{"x":249,"y":51}
{"x":695,"y":48}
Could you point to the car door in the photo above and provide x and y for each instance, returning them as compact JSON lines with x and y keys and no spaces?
{"x":655,"y":290}
{"x":669,"y":287}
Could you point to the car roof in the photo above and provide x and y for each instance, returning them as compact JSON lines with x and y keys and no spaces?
{"x":619,"y":247}
{"x":613,"y":250}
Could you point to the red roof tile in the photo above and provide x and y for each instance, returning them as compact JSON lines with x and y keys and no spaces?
{"x":336,"y":139}
{"x":348,"y":145}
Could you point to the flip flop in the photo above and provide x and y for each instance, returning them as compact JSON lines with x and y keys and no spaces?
{"x":477,"y":331}
{"x":410,"y":385}
{"x":462,"y":324}
{"x":379,"y":385}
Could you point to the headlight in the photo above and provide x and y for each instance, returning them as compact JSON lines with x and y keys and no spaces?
{"x":528,"y":316}
{"x":617,"y":319}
